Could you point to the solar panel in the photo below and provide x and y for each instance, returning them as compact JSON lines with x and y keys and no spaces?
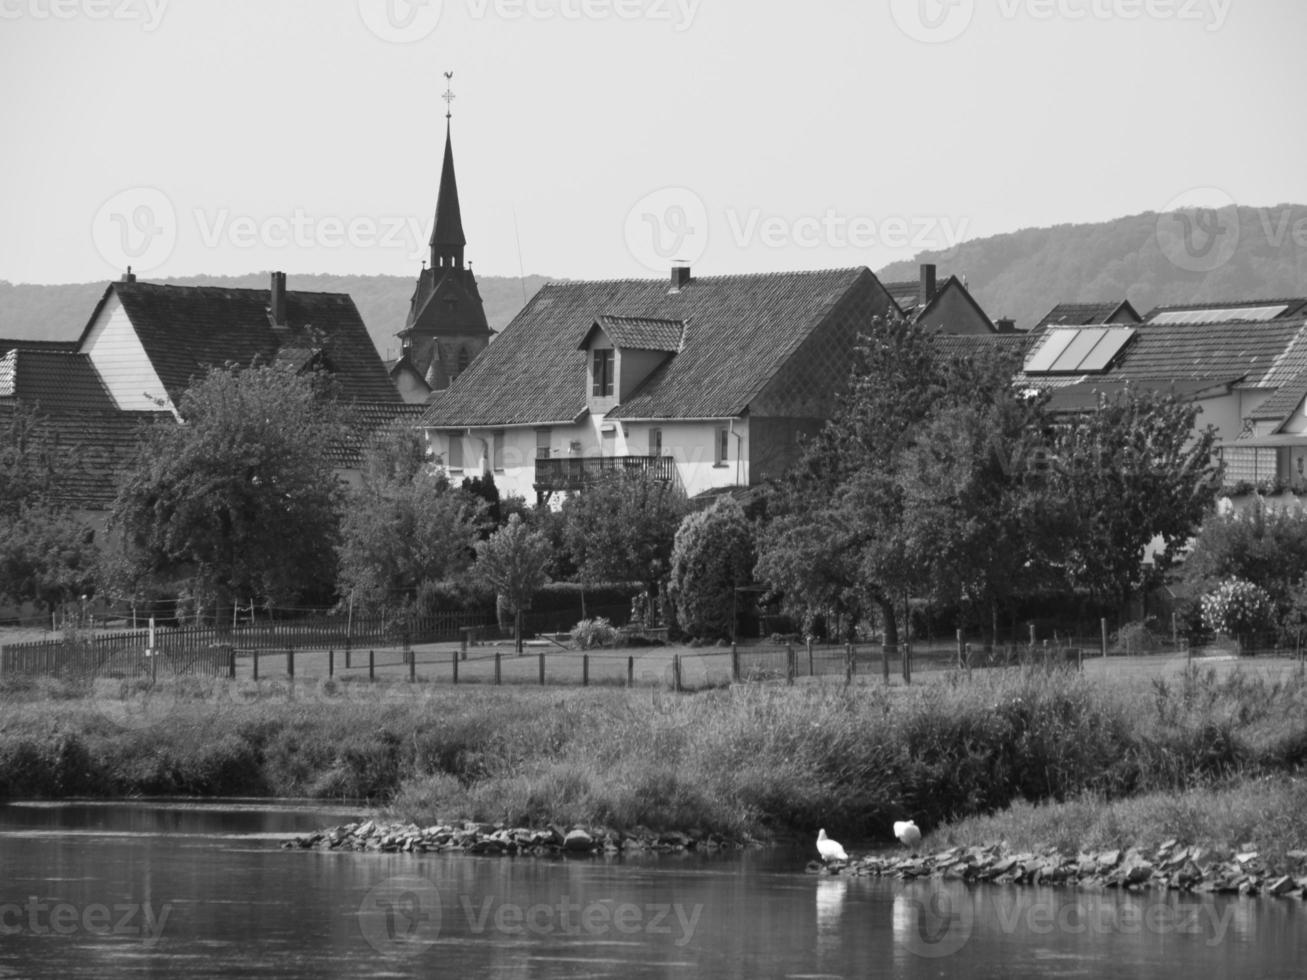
{"x":1112,"y":343}
{"x":1237,"y":314}
{"x":1050,"y":348}
{"x":1085,"y":341}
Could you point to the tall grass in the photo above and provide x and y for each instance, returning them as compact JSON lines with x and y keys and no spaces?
{"x":752,"y":758}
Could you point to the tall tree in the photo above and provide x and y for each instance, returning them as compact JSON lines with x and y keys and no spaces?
{"x":514,"y":561}
{"x":712,"y":556}
{"x":239,"y":501}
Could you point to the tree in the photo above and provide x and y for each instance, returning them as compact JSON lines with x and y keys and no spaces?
{"x":405,"y":527}
{"x":29,"y":462}
{"x":240,"y":500}
{"x":621,"y":529}
{"x":712,"y":555}
{"x":514,"y":561}
{"x":46,"y":557}
{"x":1130,"y":472}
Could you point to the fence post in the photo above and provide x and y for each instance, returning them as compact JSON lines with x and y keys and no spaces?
{"x":412,"y":665}
{"x":789,"y":663}
{"x":290,"y":662}
{"x":498,"y":677}
{"x":255,"y":660}
{"x":1102,"y":624}
{"x":347,"y":651}
{"x":231,"y":662}
{"x":848,"y":663}
{"x":808,"y":643}
{"x":454,"y":658}
{"x":961,"y":650}
{"x":907,"y":663}
{"x":372,"y":665}
{"x":884,"y":660}
{"x":735,"y":664}
{"x":585,"y":669}
{"x":331,"y":661}
{"x":630,"y":671}
{"x":154,"y":666}
{"x":542,"y":668}
{"x":676,"y":673}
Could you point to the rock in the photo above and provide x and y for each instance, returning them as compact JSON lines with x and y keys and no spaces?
{"x":1108,"y":859}
{"x":1281,"y":886}
{"x":1247,"y":857}
{"x":578,"y":840}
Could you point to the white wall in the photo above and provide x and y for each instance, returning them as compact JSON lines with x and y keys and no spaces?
{"x":118,"y":356}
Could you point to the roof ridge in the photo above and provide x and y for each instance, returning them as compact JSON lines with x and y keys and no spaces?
{"x":858,"y":269}
{"x":253,"y":290}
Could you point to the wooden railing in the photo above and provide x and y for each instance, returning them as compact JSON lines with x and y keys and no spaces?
{"x":572,"y":473}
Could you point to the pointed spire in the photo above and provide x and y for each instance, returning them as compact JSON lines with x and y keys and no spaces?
{"x":447,"y":239}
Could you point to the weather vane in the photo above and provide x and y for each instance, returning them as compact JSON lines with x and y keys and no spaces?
{"x":449,"y":94}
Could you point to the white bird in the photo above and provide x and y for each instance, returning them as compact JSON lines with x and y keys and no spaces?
{"x":907,"y":832}
{"x":830,"y":850}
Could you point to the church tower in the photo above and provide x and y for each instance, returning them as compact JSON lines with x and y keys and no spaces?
{"x":446,"y":326}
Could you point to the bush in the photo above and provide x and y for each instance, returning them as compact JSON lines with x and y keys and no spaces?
{"x":590,"y":634}
{"x":713,"y":554}
{"x":1238,"y":608}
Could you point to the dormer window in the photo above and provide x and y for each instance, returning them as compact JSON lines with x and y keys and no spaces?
{"x":603,"y":373}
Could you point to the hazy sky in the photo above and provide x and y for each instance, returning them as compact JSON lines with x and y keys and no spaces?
{"x":611,"y":136}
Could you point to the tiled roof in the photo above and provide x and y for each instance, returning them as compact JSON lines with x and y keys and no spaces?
{"x":905,"y":294}
{"x":1295,"y":308}
{"x":968,"y":344}
{"x":95,"y":450}
{"x":54,"y":380}
{"x":365,"y":419}
{"x":66,"y":346}
{"x":187,"y":329}
{"x":1081,"y":314}
{"x":739,"y":331}
{"x":1283,"y":403}
{"x":643,"y":333}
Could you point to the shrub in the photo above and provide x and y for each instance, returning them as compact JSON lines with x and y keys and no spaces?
{"x":713,"y":554}
{"x":1237,"y":607}
{"x":592,"y":633}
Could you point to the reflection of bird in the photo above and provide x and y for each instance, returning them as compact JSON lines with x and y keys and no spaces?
{"x":907,"y":833}
{"x":829,"y":850}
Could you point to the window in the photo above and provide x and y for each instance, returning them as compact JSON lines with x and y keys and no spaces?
{"x":455,"y":457}
{"x":603,"y":373}
{"x":497,"y":450}
{"x":542,"y":443}
{"x":655,"y":442}
{"x":723,"y":452}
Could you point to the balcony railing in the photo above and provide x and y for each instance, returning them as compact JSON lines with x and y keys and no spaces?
{"x":574,"y":472}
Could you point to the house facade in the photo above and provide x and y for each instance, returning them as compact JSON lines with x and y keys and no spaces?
{"x":705,"y":382}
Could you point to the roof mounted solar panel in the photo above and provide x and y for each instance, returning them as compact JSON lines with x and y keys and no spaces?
{"x":1236,"y":314}
{"x":1049,"y":350}
{"x":1076,"y":351}
{"x":1106,"y":350}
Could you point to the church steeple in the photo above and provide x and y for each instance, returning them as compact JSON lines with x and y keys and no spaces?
{"x":447,"y":239}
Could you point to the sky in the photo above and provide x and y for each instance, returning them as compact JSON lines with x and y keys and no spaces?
{"x":609,"y":138}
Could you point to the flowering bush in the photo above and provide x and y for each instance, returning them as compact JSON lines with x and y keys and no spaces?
{"x":590,"y":634}
{"x":1237,"y":607}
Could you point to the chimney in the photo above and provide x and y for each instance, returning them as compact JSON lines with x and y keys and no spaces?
{"x":926,"y":292}
{"x":129,"y":275}
{"x":680,"y":276}
{"x":277,"y":300}
{"x":1006,"y":325}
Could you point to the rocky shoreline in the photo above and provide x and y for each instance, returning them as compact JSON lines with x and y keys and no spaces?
{"x":1171,"y":866}
{"x":490,"y":839}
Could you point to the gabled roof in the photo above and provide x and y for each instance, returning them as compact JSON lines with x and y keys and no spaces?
{"x":185,"y":330}
{"x":639,"y":333}
{"x":739,"y":331}
{"x":1293,"y":308}
{"x":953,"y":282}
{"x":1087,"y":314}
{"x":54,"y":380}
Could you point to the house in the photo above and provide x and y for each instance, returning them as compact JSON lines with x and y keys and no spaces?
{"x":446,"y":326}
{"x":408,"y":380}
{"x":708,"y":382}
{"x":1244,"y":363}
{"x":946,"y":307}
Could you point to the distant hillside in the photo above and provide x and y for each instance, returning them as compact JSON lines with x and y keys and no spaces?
{"x":31,"y":312}
{"x":1026,"y":273}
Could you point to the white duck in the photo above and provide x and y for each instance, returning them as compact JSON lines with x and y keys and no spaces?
{"x":907,"y":832}
{"x":830,"y":850}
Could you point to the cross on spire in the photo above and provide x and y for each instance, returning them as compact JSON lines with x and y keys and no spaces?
{"x":449,"y":94}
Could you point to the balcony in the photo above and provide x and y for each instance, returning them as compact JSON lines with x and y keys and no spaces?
{"x":575,"y":472}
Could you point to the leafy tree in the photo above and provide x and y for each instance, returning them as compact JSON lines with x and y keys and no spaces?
{"x":1131,"y":471}
{"x":29,"y":462}
{"x":514,"y":561}
{"x":713,"y":553}
{"x":46,"y":557}
{"x":621,"y":529}
{"x":239,"y":500}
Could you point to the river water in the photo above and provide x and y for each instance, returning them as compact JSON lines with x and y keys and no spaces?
{"x":190,"y":889}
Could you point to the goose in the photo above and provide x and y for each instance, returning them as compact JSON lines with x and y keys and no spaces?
{"x":907,"y":832}
{"x":830,"y":850}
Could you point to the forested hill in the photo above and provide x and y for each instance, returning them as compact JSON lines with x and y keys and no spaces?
{"x":1261,"y":254}
{"x":60,"y":312}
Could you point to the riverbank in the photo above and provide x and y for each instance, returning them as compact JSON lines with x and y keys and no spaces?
{"x":751,"y":761}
